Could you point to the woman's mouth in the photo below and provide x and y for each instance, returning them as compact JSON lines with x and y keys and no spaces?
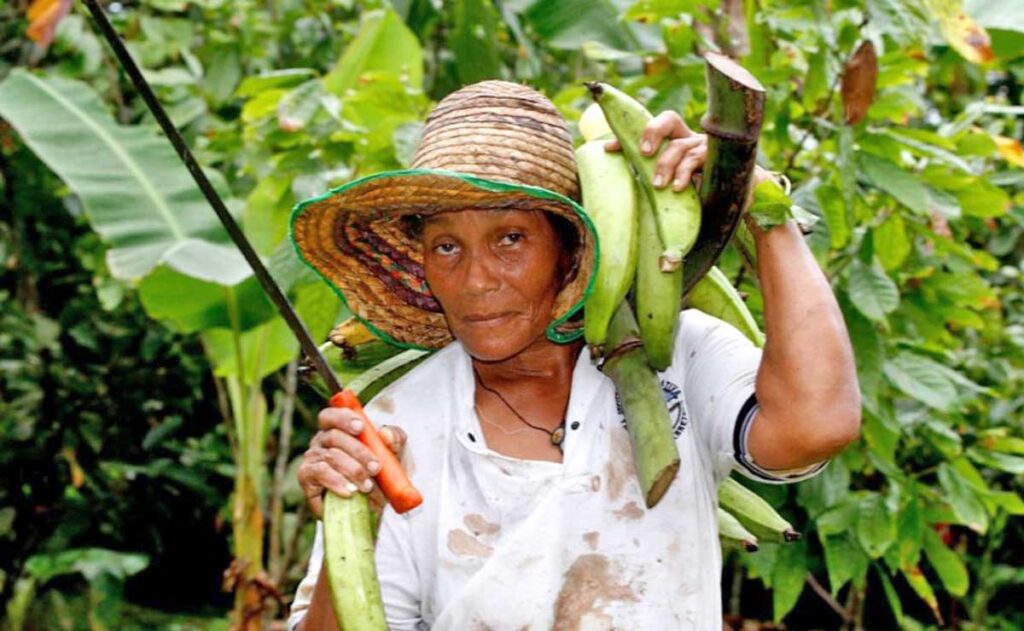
{"x":486,"y":319}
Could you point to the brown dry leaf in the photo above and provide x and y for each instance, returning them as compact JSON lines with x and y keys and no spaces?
{"x":858,"y":87}
{"x":965,"y":35}
{"x":1010,"y":149}
{"x":43,"y":17}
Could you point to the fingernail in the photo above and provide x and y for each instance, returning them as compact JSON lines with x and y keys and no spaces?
{"x":373,"y":467}
{"x":659,"y":180}
{"x":645,"y":146}
{"x":367,"y":486}
{"x":678,"y":185}
{"x":351,"y":488}
{"x":357,"y":426}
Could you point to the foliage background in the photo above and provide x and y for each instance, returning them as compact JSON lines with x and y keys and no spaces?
{"x":126,"y":424}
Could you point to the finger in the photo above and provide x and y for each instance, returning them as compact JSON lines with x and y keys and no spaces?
{"x":693,"y":161}
{"x":336,"y":440}
{"x":671,"y":157}
{"x":612,"y":145}
{"x":394,"y":438}
{"x":340,"y":418}
{"x":316,"y":505}
{"x":351,"y":469}
{"x":668,"y":124}
{"x":317,"y":476}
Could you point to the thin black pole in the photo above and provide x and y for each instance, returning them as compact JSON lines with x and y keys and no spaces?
{"x":277,"y":297}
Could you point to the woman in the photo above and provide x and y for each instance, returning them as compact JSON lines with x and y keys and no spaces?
{"x":532,"y":515}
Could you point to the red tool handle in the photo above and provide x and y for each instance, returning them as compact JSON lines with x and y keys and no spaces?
{"x":392,"y":479}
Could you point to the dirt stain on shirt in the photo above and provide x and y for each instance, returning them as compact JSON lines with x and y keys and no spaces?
{"x":631,"y":510}
{"x":595,"y":483}
{"x":480,"y":526}
{"x":588,"y":585}
{"x":591,"y":538}
{"x":620,"y":469}
{"x":464,"y":544}
{"x":385,"y":404}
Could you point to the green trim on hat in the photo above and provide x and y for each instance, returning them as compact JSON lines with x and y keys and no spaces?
{"x":494,"y":186}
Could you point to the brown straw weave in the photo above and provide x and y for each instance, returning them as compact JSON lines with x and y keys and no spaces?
{"x":489,"y":146}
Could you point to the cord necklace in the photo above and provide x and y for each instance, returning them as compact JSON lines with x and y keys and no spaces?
{"x":556,"y":436}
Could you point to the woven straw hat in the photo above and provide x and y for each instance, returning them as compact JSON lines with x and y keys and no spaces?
{"x":489,"y":146}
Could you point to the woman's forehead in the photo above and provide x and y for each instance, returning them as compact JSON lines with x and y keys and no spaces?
{"x":473,"y":216}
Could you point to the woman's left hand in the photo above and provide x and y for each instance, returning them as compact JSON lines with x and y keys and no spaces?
{"x":685,"y":154}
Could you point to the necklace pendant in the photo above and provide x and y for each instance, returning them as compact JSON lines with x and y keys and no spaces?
{"x":558,"y":436}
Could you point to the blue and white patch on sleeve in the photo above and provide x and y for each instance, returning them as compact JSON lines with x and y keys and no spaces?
{"x":673,"y":395}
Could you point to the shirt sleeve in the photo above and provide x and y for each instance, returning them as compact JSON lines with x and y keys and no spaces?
{"x":720,"y":372}
{"x":397,"y":573}
{"x":304,"y":593}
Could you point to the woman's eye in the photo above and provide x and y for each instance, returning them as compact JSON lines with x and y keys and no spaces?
{"x":511,"y":238}
{"x":446,"y":248}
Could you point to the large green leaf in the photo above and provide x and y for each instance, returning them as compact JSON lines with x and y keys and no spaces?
{"x":788,"y":578}
{"x":844,"y":559}
{"x":892,"y":179}
{"x":921,"y":378}
{"x":964,"y":500}
{"x":474,"y":41}
{"x":571,"y":23}
{"x":948,"y":564}
{"x":137,"y":194}
{"x":384,"y":44}
{"x":876,"y":525}
{"x":872,"y":291}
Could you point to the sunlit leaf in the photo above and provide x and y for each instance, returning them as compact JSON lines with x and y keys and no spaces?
{"x":919,"y":583}
{"x":1010,"y":149}
{"x":892,"y":244}
{"x":138,"y":195}
{"x":961,"y":31}
{"x":384,"y":44}
{"x":44,"y":16}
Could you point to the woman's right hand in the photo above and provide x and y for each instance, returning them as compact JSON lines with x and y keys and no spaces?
{"x":337,"y":461}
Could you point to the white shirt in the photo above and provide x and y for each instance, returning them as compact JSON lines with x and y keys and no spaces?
{"x":501,"y":543}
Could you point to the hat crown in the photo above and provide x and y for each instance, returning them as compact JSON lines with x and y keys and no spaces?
{"x":500,"y":131}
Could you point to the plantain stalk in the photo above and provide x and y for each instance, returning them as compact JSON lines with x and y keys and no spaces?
{"x":647,"y":420}
{"x":348,"y":552}
{"x":733,"y":124}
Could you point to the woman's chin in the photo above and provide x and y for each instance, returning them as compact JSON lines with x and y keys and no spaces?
{"x":494,"y":346}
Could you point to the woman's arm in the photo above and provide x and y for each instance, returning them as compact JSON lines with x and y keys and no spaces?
{"x":807,"y":391}
{"x":320,"y":614}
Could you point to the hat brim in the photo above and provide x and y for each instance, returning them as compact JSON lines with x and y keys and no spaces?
{"x":353,"y":238}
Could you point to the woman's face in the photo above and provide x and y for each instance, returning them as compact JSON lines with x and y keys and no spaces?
{"x":496,"y":274}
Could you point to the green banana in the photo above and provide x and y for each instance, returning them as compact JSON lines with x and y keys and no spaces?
{"x":348,"y":553}
{"x":658,"y":294}
{"x":754,"y":513}
{"x":715,"y":296}
{"x":677,"y":214}
{"x":730,"y":529}
{"x":609,"y":197}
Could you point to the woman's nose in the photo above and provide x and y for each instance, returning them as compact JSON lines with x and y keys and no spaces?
{"x":481,"y":276}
